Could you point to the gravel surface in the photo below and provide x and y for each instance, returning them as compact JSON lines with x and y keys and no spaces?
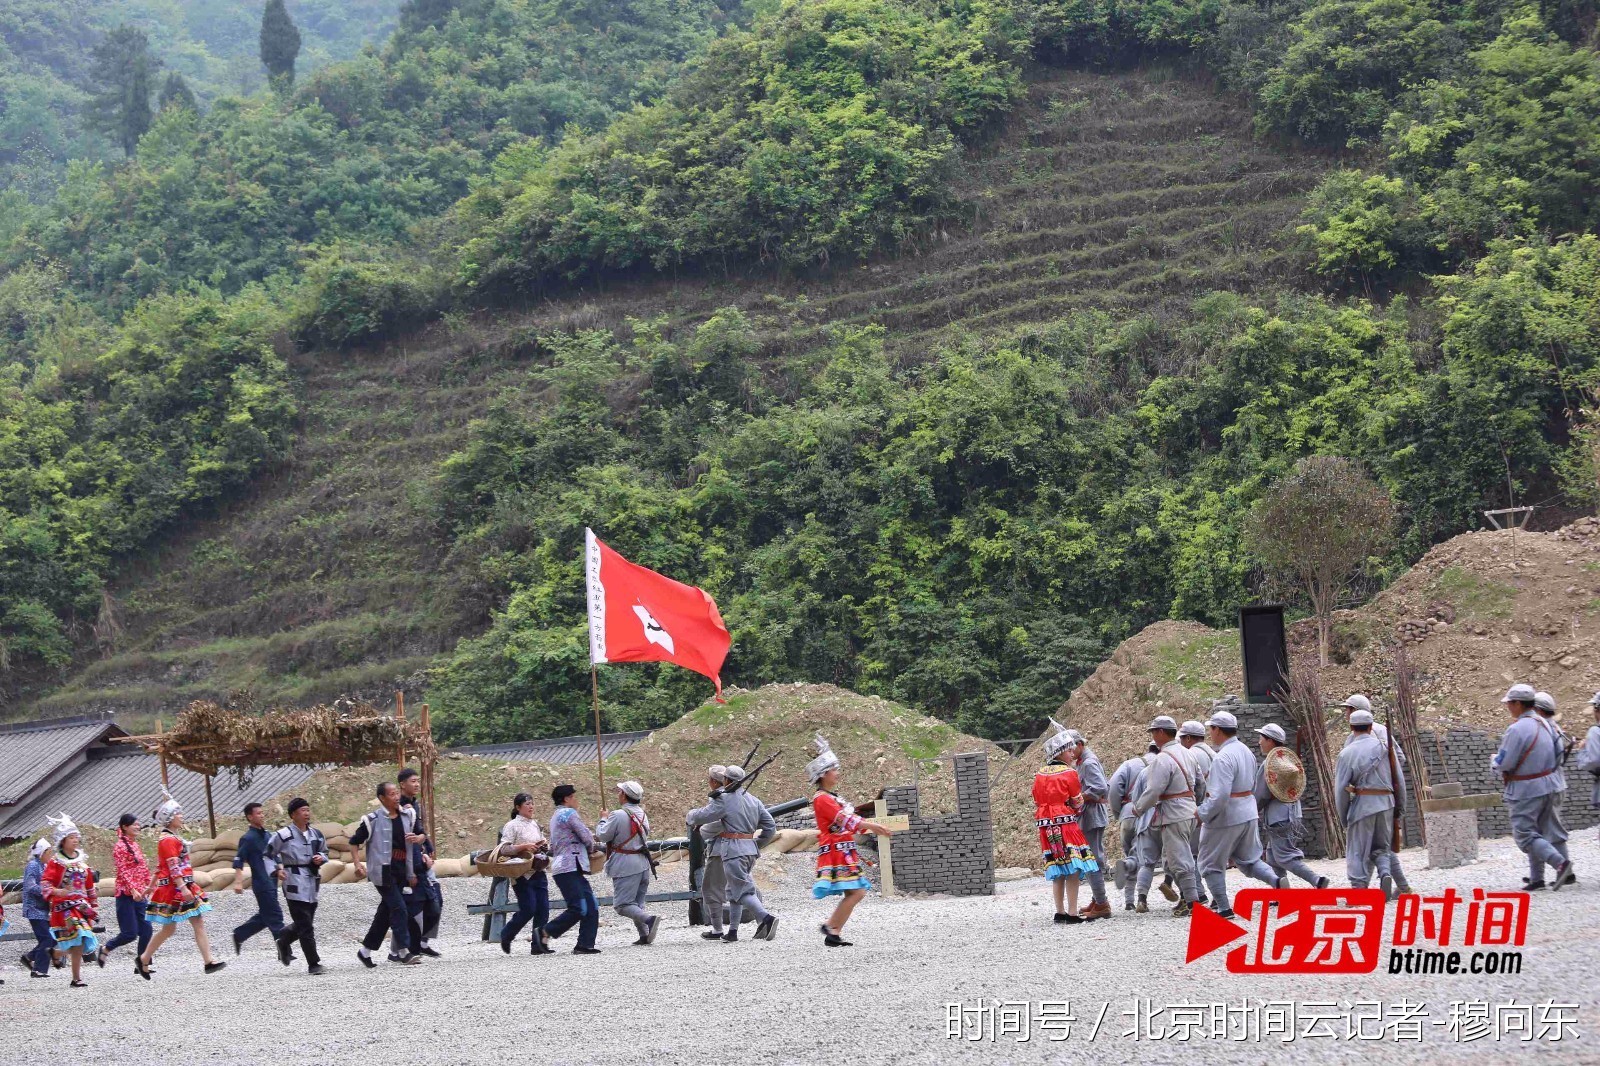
{"x":674,"y":1002}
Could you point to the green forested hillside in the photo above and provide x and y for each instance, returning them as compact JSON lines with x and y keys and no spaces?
{"x":45,"y":63}
{"x":943,"y":342}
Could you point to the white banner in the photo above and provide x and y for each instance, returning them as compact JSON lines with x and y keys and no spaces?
{"x":597,"y":598}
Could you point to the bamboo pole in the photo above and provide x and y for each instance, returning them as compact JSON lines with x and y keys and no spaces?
{"x":428,"y":765}
{"x":599,"y":751}
{"x":1410,"y":735}
{"x":400,"y":713}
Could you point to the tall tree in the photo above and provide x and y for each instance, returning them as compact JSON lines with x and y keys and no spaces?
{"x":176,"y":93}
{"x":280,"y":44}
{"x":123,"y":72}
{"x":1316,"y":529}
{"x":418,"y":15}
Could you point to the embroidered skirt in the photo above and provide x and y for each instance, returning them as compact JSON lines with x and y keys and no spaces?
{"x":838,"y":870}
{"x":1066,"y":852}
{"x":75,"y":931}
{"x":175,"y":910}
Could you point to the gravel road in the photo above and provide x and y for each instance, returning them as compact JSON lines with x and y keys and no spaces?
{"x":885,"y":999}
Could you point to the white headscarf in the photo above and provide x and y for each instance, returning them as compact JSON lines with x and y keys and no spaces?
{"x":40,"y":846}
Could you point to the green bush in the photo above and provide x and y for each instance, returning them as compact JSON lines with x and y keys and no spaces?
{"x":344,"y":300}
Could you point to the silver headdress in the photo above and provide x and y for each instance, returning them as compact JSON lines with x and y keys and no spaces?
{"x":826,"y":760}
{"x":1055,"y":742}
{"x":61,"y":827}
{"x":169,"y":808}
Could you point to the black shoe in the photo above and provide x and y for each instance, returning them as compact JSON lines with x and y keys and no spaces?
{"x":731,"y":936}
{"x":1226,"y":912}
{"x":366,"y":960}
{"x":505,"y":944}
{"x":651,"y":925}
{"x":79,"y":984}
{"x":1071,"y":919}
{"x":586,"y":951}
{"x":35,"y":973}
{"x":768,"y":929}
{"x":100,"y":958}
{"x":1565,"y":875}
{"x":140,"y":967}
{"x":710,"y":934}
{"x":1127,"y":906}
{"x":432,"y":954}
{"x":1183,"y":909}
{"x":213,"y":967}
{"x":1322,"y":882}
{"x":285,"y":954}
{"x":410,"y":959}
{"x":833,"y":940}
{"x":316,"y":970}
{"x":238,"y":946}
{"x":1386,"y":883}
{"x":1529,"y":886}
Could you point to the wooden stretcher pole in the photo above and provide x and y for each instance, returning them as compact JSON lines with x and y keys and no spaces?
{"x":599,"y":750}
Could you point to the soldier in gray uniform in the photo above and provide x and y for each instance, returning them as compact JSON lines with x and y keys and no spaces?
{"x":1389,"y":868}
{"x":1120,"y":789}
{"x":1229,"y":814}
{"x":1366,"y":795}
{"x":1529,"y":760}
{"x":713,"y":883}
{"x":1092,"y":820}
{"x":1169,"y":792}
{"x":1283,"y":824}
{"x":1192,"y":736}
{"x":1589,"y":752}
{"x":1545,"y":705}
{"x":746,"y":825}
{"x":625,"y":834}
{"x":300,"y":849}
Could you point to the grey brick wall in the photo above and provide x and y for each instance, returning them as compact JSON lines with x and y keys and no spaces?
{"x":952,"y":853}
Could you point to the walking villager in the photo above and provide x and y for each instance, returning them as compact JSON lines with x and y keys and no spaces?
{"x":176,"y":898}
{"x":1169,"y":792}
{"x":1093,"y":820}
{"x":1544,"y":705}
{"x":299,"y":851}
{"x":1229,"y":815}
{"x":1280,"y":780}
{"x":572,"y":851}
{"x":1529,"y":762}
{"x":1366,"y":795}
{"x":1121,"y":788}
{"x":1589,"y":752}
{"x":252,"y":853}
{"x":713,"y":885}
{"x":133,"y":887}
{"x":382,"y":847}
{"x":36,"y":910}
{"x":70,"y":886}
{"x":839,"y":870}
{"x":1389,"y":867}
{"x":625,"y":834}
{"x":1192,"y":735}
{"x":1058,"y":806}
{"x":520,"y":838}
{"x":427,"y":910}
{"x":746,"y":825}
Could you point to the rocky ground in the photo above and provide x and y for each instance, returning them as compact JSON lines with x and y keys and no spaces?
{"x":793,"y":1001}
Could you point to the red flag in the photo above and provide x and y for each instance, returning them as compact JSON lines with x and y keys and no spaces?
{"x":638,"y":616}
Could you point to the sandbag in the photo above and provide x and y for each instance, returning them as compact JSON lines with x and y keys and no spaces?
{"x":338,"y":843}
{"x":447,"y":868}
{"x":227,"y":841}
{"x":330,"y":829}
{"x":346,"y":876}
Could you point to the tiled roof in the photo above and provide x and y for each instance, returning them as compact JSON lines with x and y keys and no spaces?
{"x":31,"y":751}
{"x":110,"y":784}
{"x":560,"y":750}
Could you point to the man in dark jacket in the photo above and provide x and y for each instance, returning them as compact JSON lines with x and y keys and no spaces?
{"x":252,"y":852}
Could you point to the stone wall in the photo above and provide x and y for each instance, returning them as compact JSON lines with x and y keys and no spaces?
{"x":952,"y":853}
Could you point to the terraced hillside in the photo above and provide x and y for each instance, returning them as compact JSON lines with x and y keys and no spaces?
{"x":1136,"y":189}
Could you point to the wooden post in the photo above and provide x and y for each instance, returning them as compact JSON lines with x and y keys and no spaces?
{"x":161,"y":752}
{"x":428,"y":765}
{"x":211,"y":810}
{"x":897,"y":823}
{"x":599,"y":751}
{"x":400,"y":713}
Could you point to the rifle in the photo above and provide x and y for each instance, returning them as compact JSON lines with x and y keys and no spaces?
{"x":1399,"y":835}
{"x":750,"y":777}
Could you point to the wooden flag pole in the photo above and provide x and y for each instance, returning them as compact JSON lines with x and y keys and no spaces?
{"x":599,"y":751}
{"x":211,"y":810}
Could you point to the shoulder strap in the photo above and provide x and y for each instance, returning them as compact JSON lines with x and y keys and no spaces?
{"x":1181,"y":768}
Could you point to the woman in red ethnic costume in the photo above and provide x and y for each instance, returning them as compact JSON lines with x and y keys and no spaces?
{"x":839,"y":871}
{"x":1058,"y":801}
{"x":176,"y":897}
{"x":70,"y":885}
